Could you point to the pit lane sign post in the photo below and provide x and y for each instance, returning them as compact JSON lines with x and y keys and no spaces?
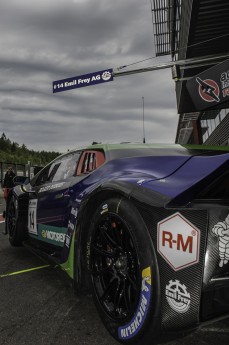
{"x":83,"y":80}
{"x":205,"y":91}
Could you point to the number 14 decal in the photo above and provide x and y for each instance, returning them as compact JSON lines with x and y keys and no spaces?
{"x":32,"y":217}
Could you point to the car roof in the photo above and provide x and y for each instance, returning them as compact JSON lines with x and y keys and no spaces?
{"x":124,"y":150}
{"x":171,"y":147}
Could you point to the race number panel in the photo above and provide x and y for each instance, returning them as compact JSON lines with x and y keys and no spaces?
{"x":32,"y":217}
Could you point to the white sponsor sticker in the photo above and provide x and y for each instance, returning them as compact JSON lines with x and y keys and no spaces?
{"x":221,"y":229}
{"x":178,"y":241}
{"x":177,"y":296}
{"x":74,"y":212}
{"x":51,"y":187}
{"x":104,"y":209}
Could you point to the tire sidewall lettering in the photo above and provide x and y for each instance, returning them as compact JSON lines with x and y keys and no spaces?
{"x":138,"y":322}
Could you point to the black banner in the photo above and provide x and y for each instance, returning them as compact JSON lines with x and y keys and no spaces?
{"x":210,"y":89}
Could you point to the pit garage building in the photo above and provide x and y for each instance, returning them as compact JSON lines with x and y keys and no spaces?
{"x":196,"y":35}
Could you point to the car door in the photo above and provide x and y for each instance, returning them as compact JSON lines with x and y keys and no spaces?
{"x":48,"y":206}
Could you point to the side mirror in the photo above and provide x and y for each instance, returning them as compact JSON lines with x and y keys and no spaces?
{"x":19,"y":180}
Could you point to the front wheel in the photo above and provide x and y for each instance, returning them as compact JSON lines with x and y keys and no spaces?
{"x":14,"y":225}
{"x":124,"y":272}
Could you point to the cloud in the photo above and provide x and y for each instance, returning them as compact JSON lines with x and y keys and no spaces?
{"x":51,"y":40}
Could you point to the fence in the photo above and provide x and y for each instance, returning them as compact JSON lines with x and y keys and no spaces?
{"x":19,"y":169}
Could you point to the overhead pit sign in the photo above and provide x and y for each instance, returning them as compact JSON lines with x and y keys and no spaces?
{"x":83,"y":80}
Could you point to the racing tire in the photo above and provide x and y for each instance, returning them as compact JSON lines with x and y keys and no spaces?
{"x":124,"y":272}
{"x":14,"y":224}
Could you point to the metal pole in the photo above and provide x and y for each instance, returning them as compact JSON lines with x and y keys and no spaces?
{"x":188,"y":63}
{"x":143,"y":119}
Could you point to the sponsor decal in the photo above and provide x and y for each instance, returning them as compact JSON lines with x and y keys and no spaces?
{"x":224,"y":78}
{"x":51,"y":234}
{"x":208,"y":90}
{"x":221,"y":229}
{"x":105,"y":76}
{"x":178,"y":241}
{"x":67,"y":241}
{"x":51,"y":186}
{"x":74,"y":212}
{"x":133,"y":327}
{"x":177,"y":296}
{"x":71,"y":226}
{"x":104,"y":209}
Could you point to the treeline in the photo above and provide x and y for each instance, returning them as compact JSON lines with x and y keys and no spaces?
{"x":12,"y":152}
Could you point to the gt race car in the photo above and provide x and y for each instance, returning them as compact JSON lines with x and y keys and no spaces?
{"x":144,"y":227}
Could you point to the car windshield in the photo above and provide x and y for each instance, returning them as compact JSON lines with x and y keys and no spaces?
{"x":60,"y":169}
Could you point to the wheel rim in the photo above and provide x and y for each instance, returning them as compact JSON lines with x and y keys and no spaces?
{"x":11,"y":219}
{"x":115,"y":268}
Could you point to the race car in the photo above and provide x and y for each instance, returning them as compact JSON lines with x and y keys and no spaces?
{"x":144,"y":227}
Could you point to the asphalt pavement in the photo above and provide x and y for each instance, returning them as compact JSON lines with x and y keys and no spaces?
{"x":39,"y":307}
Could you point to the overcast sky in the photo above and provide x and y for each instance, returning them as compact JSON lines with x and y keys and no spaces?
{"x":47,"y":40}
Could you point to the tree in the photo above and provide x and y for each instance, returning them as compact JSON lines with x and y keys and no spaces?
{"x":12,"y":152}
{"x":5,"y":143}
{"x":14,"y":147}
